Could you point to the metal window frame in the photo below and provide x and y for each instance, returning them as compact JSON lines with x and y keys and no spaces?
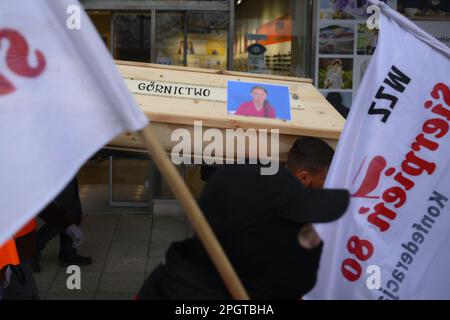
{"x":230,"y":51}
{"x":310,"y":43}
{"x":148,"y":5}
{"x":153,"y":6}
{"x":153,"y":37}
{"x":185,"y":38}
{"x":314,"y":49}
{"x":152,"y":33}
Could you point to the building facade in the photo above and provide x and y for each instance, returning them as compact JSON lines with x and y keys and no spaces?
{"x":326,"y":40}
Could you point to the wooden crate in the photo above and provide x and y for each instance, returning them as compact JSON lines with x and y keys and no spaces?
{"x":312,"y":115}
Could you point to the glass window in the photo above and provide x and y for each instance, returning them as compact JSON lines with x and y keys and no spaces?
{"x":425,"y":10}
{"x":207,"y":39}
{"x":162,"y":189}
{"x":170,"y":38}
{"x":132,"y":37}
{"x":130,"y":179}
{"x":93,"y":181}
{"x":280,"y":30}
{"x":102,"y":22}
{"x":192,"y":177}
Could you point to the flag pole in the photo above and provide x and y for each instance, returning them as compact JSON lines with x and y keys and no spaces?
{"x":195,"y":215}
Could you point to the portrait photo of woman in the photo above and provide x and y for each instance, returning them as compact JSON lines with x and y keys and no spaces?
{"x":260,"y":100}
{"x":258,"y":106}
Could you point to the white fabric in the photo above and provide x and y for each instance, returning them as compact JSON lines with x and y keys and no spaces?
{"x":426,"y":62}
{"x":52,"y":122}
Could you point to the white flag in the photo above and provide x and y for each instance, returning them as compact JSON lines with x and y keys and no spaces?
{"x":393,"y":156}
{"x":61,"y":99}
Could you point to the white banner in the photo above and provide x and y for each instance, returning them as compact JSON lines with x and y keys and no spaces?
{"x":61,"y":99}
{"x":438,"y":29}
{"x":393,"y":156}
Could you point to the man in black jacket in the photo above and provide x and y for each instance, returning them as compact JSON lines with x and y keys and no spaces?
{"x":68,"y":201}
{"x":264,"y":226}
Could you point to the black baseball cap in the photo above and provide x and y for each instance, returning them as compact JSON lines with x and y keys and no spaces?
{"x":238,"y":195}
{"x":306,"y":205}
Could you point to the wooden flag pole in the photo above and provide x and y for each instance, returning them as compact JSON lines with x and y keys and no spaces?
{"x":193,"y":212}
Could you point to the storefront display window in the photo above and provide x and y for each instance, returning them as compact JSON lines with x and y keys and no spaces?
{"x":170,"y":38}
{"x":345,"y":45}
{"x":425,"y":9}
{"x":207,"y":37}
{"x":131,"y":37}
{"x":282,"y":29}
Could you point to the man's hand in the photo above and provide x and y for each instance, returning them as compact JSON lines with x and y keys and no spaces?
{"x":307,"y":237}
{"x":74,"y":232}
{"x":3,"y":285}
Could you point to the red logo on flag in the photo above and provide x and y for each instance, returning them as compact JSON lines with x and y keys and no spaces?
{"x":17,"y":59}
{"x":371,"y":179}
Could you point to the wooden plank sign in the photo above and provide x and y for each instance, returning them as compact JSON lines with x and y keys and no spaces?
{"x":179,"y":97}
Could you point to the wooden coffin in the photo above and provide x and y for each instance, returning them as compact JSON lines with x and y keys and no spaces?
{"x":312,"y":115}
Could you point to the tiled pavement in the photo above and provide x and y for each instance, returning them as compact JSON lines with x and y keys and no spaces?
{"x":124,"y":247}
